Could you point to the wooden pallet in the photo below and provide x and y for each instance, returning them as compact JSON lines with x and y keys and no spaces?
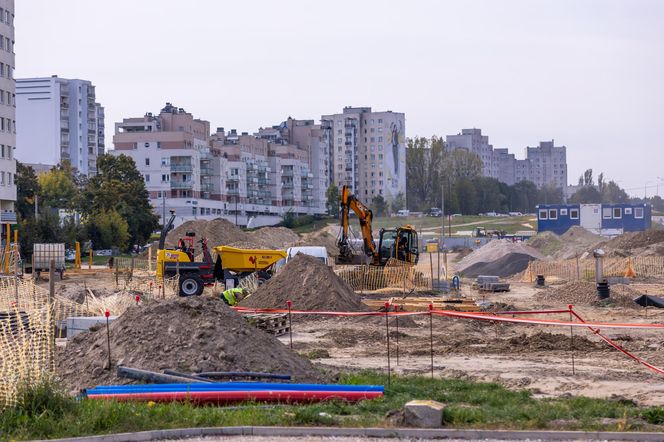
{"x":275,"y":324}
{"x":418,"y":304}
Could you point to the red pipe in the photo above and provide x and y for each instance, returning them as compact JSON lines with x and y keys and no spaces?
{"x":226,"y":397}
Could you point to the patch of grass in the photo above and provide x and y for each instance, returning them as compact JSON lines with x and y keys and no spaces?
{"x":469,"y":405}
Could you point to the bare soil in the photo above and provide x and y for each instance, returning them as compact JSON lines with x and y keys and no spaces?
{"x":185,"y":334}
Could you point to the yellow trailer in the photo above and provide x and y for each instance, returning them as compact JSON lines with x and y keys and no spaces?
{"x":247,"y":260}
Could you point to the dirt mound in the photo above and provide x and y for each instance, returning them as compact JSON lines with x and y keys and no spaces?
{"x":496,"y":249}
{"x":507,"y":265}
{"x":547,"y":243}
{"x":585,"y":293}
{"x":321,"y":238}
{"x":310,"y":285}
{"x":185,"y":334}
{"x":274,"y":237}
{"x":635,"y":240}
{"x":218,"y":232}
{"x":575,"y":241}
{"x":551,"y":341}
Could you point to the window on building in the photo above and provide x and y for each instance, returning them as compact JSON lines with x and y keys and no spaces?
{"x":638,"y":212}
{"x":380,"y":121}
{"x":147,"y":177}
{"x":617,"y":213}
{"x":2,"y":150}
{"x":147,"y":161}
{"x":628,"y":210}
{"x":380,"y":156}
{"x":543,"y":214}
{"x":606,"y":213}
{"x":574,"y":213}
{"x":165,"y":177}
{"x":553,"y":214}
{"x":2,"y":178}
{"x":373,"y":139}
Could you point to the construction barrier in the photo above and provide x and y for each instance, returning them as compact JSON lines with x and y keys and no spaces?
{"x":395,"y":275}
{"x":584,"y":269}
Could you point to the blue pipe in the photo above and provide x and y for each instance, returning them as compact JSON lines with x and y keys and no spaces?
{"x":228,"y":386}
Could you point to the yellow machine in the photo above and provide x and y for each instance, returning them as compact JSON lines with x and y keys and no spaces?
{"x":244,"y":261}
{"x":400,"y":243}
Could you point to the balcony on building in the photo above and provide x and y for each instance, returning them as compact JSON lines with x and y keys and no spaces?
{"x":288,"y":184}
{"x":233,"y":177}
{"x":287,"y":172}
{"x":188,"y":184}
{"x":206,"y":170}
{"x":233,"y":191}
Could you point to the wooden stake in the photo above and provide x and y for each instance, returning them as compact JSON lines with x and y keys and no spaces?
{"x":431,"y":335}
{"x":290,"y":323}
{"x":387,"y":328}
{"x":396,"y":318}
{"x":571,"y":337}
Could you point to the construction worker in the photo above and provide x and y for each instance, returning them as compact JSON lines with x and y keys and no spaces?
{"x":233,"y":296}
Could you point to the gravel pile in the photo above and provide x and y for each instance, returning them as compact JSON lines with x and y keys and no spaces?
{"x":585,"y":293}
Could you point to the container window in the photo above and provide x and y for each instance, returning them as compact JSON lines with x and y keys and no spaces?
{"x":617,"y":213}
{"x":606,"y":213}
{"x":574,"y":213}
{"x":628,"y":210}
{"x":638,"y":212}
{"x":543,"y":214}
{"x":553,"y":214}
{"x":563,"y":212}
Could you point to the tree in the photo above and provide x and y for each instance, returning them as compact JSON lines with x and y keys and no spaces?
{"x":424,"y":158}
{"x":587,"y":178}
{"x":524,"y":196}
{"x":398,"y":203}
{"x":586,"y":195}
{"x":27,"y":186}
{"x":613,"y":194}
{"x":332,"y":204}
{"x":119,"y":187}
{"x":550,"y":194}
{"x":58,"y":188}
{"x":108,"y":229}
{"x":379,"y":206}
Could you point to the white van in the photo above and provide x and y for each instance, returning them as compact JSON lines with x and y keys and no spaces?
{"x":315,"y":251}
{"x":403,"y":212}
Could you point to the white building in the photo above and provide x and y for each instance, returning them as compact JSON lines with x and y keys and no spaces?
{"x":60,"y":120}
{"x":367,"y":151}
{"x":7,"y":114}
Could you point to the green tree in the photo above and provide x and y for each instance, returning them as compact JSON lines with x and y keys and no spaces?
{"x":550,"y":194}
{"x":46,"y":228}
{"x":332,"y":204}
{"x":27,"y":186}
{"x":107,"y":228}
{"x":398,"y":203}
{"x":424,"y":159}
{"x":612,"y":193}
{"x":119,"y":187}
{"x":58,"y":189}
{"x":586,"y":195}
{"x":379,"y":206}
{"x":523,"y":197}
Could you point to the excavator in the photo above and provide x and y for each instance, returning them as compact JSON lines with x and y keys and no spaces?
{"x":399,"y":243}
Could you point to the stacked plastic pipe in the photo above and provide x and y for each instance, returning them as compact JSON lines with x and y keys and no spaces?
{"x":221,"y":393}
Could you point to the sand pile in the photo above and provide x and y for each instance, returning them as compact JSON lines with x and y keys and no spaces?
{"x":218,"y":232}
{"x":585,"y":293}
{"x":274,"y":237}
{"x":310,"y":285}
{"x":321,"y":238}
{"x":512,"y":258}
{"x":185,"y":334}
{"x":575,"y":241}
{"x":546,"y":243}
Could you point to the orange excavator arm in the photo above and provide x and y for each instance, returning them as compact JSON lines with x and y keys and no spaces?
{"x":350,"y":202}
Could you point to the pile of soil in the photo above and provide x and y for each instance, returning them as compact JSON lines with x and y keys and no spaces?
{"x":507,"y":265}
{"x":496,"y":249}
{"x":635,"y":240}
{"x":309,"y":284}
{"x":551,"y":341}
{"x":184,"y":334}
{"x":275,"y":237}
{"x":585,"y":293}
{"x":546,"y":242}
{"x":321,"y":238}
{"x":574,"y":242}
{"x":217,"y":231}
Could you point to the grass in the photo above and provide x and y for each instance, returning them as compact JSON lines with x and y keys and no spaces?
{"x":48,"y":413}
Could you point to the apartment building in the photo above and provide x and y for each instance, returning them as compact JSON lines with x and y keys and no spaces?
{"x":366,"y":151}
{"x":245,"y":178}
{"x":60,"y":120}
{"x":7,"y":114}
{"x":544,"y":165}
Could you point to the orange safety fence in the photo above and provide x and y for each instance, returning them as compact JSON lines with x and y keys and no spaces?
{"x":584,"y":269}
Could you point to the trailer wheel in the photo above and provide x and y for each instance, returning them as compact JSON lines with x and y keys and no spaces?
{"x":262,"y":277}
{"x":191,"y":285}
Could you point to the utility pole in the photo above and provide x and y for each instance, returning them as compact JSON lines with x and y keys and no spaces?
{"x":442,"y":217}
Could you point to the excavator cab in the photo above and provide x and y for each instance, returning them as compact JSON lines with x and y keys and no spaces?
{"x":400,"y":243}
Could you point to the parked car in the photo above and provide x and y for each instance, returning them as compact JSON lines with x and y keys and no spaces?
{"x":435,"y":211}
{"x":104,"y":252}
{"x":70,"y":255}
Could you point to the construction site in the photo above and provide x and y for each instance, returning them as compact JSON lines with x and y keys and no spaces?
{"x":558,"y":316}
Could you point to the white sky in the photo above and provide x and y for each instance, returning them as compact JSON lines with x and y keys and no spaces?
{"x":589,"y":74}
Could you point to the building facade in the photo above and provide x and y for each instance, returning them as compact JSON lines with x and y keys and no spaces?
{"x":366,"y":151}
{"x":245,"y":178}
{"x":544,"y":165}
{"x":602,"y":219}
{"x":7,"y":114}
{"x":60,"y":120}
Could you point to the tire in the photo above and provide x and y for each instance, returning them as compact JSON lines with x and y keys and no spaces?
{"x":262,"y":277}
{"x":190,"y":285}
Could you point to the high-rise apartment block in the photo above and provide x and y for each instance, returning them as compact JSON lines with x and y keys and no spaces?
{"x":244,"y":177}
{"x":60,"y":120}
{"x":544,"y":165}
{"x":367,"y":151}
{"x":7,"y":114}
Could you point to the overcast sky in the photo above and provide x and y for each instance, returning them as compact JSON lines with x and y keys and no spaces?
{"x":589,"y":74}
